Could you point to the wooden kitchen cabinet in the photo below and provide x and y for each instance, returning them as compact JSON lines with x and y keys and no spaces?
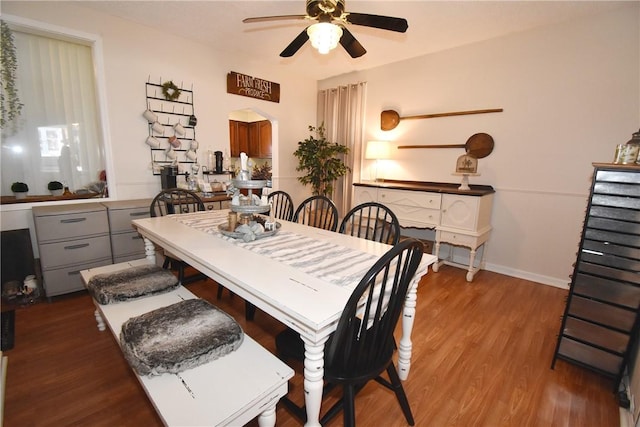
{"x":238,"y":137}
{"x":252,"y":138}
{"x":260,"y":139}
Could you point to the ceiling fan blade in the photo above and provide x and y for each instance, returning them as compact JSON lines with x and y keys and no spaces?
{"x":295,"y":45}
{"x":272,"y":18}
{"x":351,"y":45}
{"x":376,"y":21}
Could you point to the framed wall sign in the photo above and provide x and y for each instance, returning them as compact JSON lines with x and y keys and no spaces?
{"x":253,"y":87}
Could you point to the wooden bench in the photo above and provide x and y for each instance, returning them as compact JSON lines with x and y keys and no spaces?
{"x":231,"y":390}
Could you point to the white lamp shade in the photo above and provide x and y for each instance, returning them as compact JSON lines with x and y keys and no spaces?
{"x":377,"y":150}
{"x":324,"y":36}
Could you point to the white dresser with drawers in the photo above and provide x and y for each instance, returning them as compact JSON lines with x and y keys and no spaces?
{"x":459,"y":217}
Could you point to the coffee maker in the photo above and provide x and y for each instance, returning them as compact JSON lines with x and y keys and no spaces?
{"x":168,"y":175}
{"x":218,"y":155}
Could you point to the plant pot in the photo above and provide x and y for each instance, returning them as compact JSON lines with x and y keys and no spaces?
{"x":58,"y":192}
{"x":22,"y":195}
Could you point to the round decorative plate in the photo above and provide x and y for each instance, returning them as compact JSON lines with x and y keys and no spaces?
{"x":249,"y":183}
{"x":250,"y":209}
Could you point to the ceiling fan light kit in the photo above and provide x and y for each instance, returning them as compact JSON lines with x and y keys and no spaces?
{"x":330,"y":27}
{"x":324,"y":36}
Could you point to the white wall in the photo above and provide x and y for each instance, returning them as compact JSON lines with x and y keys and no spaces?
{"x":570,"y":93}
{"x":132,"y":55}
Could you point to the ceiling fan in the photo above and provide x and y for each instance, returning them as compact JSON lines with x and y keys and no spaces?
{"x":330,"y":27}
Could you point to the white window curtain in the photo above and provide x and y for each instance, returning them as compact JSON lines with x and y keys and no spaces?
{"x":341,"y":110}
{"x":58,"y":137}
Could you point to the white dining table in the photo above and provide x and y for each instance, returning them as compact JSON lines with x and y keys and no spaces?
{"x":301,"y":276}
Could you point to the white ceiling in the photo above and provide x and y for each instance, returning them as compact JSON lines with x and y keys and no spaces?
{"x":433,"y":26}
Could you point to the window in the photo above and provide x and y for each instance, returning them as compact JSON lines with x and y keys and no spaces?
{"x":60,"y":135}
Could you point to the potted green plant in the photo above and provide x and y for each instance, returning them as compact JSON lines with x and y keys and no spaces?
{"x":321,"y":161}
{"x":20,"y":190}
{"x":56,"y":188}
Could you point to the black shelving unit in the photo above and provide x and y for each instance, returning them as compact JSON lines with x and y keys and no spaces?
{"x":601,"y":319}
{"x":169,"y":113}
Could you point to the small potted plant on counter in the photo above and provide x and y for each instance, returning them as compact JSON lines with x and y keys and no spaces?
{"x":20,"y":190}
{"x":56,"y":188}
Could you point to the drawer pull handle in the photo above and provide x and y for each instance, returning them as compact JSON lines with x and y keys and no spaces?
{"x":73,"y":273}
{"x":138,"y":213}
{"x":136,"y":237}
{"x":81,"y":245}
{"x":68,"y":221}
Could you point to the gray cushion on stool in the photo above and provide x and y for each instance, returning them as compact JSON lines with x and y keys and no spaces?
{"x":180,"y":336}
{"x":131,"y":283}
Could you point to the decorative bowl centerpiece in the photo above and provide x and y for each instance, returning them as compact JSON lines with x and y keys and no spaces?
{"x":245,"y":225}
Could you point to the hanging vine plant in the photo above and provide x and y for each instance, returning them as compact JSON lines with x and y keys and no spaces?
{"x":10,"y":105}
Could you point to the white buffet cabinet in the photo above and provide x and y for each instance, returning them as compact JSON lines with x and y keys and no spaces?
{"x":459,"y":217}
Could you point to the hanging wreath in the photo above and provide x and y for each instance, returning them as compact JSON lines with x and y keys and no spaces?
{"x":170,"y":91}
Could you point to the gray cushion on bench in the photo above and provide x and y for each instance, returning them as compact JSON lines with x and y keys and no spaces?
{"x":179,"y":337}
{"x":131,"y":283}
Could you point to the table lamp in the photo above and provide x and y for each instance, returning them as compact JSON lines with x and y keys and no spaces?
{"x":377,"y":150}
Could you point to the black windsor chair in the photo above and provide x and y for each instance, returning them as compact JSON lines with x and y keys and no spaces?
{"x":363,"y":345}
{"x":282,"y":205}
{"x":177,"y":201}
{"x":372,"y":221}
{"x":317,"y":211}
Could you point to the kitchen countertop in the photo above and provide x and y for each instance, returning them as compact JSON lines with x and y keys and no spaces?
{"x":434,"y":187}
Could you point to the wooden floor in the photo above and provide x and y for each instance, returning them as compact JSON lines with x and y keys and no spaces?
{"x":481,"y":357}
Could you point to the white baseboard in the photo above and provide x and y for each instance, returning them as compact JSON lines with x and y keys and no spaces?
{"x":527,"y":275}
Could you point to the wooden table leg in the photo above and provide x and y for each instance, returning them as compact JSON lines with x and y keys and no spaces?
{"x":313,"y":380}
{"x":268,"y":417}
{"x":149,"y":250}
{"x":408,"y":317}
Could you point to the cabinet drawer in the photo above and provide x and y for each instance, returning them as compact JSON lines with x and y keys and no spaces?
{"x":417,"y":199}
{"x":608,"y":248}
{"x":213,"y":206}
{"x":620,"y":214}
{"x":609,"y":272}
{"x":64,"y":280}
{"x":607,"y":290}
{"x":71,"y":252}
{"x":602,"y":313}
{"x":591,"y":356}
{"x":628,"y":177}
{"x":614,"y":225}
{"x":615,"y":201}
{"x":127,"y":243}
{"x":457,"y":238}
{"x":612,"y":237}
{"x":68,"y":226}
{"x":597,"y":335}
{"x":364,"y":195}
{"x":120,"y":220}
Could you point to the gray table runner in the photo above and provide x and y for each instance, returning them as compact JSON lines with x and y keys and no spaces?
{"x":330,"y":262}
